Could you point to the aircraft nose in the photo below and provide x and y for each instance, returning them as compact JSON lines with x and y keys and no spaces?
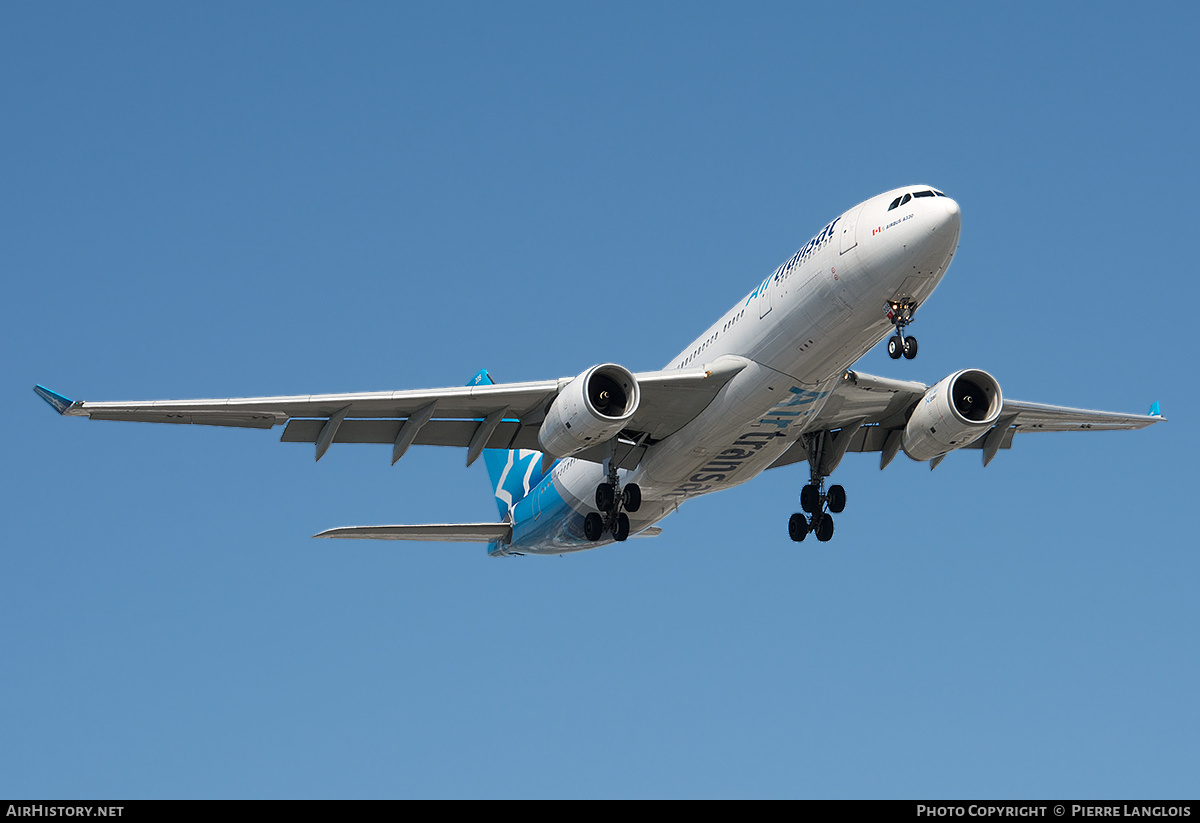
{"x":952,"y":220}
{"x":943,"y":224}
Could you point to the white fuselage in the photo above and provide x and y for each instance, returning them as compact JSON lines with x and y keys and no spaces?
{"x":799,"y":330}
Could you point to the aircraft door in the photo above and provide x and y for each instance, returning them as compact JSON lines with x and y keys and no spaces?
{"x":849,"y":233}
{"x":764,"y":297}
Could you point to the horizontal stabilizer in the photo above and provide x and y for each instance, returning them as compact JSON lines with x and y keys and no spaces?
{"x":434,"y":532}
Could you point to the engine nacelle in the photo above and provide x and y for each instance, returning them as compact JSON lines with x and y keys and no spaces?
{"x":591,"y":409}
{"x":954,"y":413}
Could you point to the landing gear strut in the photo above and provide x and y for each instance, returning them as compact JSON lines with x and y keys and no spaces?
{"x":900,"y":312}
{"x":611,"y":498}
{"x":825,"y":450}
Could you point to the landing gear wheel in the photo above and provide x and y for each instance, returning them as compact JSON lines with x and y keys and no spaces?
{"x":823,"y":528}
{"x":797,"y":527}
{"x":810,"y":499}
{"x":631,"y":497}
{"x":900,"y":312}
{"x":836,"y":497}
{"x":621,"y":530}
{"x":605,"y":497}
{"x":593,"y":526}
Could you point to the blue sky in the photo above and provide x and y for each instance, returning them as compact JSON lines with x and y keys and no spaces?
{"x":218,"y":200}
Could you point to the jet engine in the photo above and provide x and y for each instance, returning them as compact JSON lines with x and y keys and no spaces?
{"x":954,"y":413}
{"x":590,"y":410}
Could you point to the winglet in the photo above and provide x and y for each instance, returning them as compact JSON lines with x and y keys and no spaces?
{"x":54,"y":399}
{"x":1154,"y":412}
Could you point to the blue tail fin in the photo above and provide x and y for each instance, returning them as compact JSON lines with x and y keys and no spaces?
{"x":514,"y":473}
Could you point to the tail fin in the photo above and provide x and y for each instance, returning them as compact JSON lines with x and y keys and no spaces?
{"x":514,"y":473}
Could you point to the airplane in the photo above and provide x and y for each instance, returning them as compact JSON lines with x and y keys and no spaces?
{"x":584,"y":461}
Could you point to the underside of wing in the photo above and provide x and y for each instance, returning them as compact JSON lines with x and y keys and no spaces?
{"x":433,"y":533}
{"x":866,"y":413}
{"x":1035,"y":417}
{"x":475,"y":417}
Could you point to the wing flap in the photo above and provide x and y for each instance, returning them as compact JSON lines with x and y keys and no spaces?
{"x":434,"y":532}
{"x":510,"y":434}
{"x":870,"y":439}
{"x":245,"y":420}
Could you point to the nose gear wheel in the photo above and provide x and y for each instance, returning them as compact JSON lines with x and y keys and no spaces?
{"x":900,"y":312}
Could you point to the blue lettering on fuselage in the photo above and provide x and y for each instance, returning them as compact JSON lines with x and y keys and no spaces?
{"x":782,"y":415}
{"x":797,"y":258}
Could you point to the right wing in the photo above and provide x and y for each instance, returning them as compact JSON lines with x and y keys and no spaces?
{"x":887,"y":402}
{"x":477,"y":417}
{"x":870,"y":412}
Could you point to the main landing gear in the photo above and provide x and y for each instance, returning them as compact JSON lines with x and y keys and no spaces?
{"x":825,"y":450}
{"x":610,"y":500}
{"x":814,"y":499}
{"x":900,"y":312}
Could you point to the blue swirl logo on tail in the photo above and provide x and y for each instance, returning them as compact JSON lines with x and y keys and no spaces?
{"x":514,"y":473}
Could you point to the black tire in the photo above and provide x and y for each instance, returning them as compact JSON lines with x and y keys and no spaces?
{"x":797,"y":527}
{"x":910,"y":348}
{"x":605,"y":497}
{"x":836,"y":498}
{"x":631,"y":497}
{"x":593,"y":527}
{"x":810,"y":499}
{"x":895,"y":348}
{"x":824,"y":528}
{"x":621,"y":532}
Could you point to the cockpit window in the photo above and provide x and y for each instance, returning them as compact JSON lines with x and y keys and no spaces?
{"x":900,"y":201}
{"x":939,"y":193}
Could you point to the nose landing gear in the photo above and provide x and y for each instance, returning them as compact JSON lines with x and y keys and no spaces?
{"x":900,"y":312}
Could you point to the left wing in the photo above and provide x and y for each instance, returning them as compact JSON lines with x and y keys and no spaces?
{"x":868,"y":410}
{"x":476,"y":417}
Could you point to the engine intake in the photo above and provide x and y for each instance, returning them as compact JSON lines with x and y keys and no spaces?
{"x":590,"y":410}
{"x":953,"y":413}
